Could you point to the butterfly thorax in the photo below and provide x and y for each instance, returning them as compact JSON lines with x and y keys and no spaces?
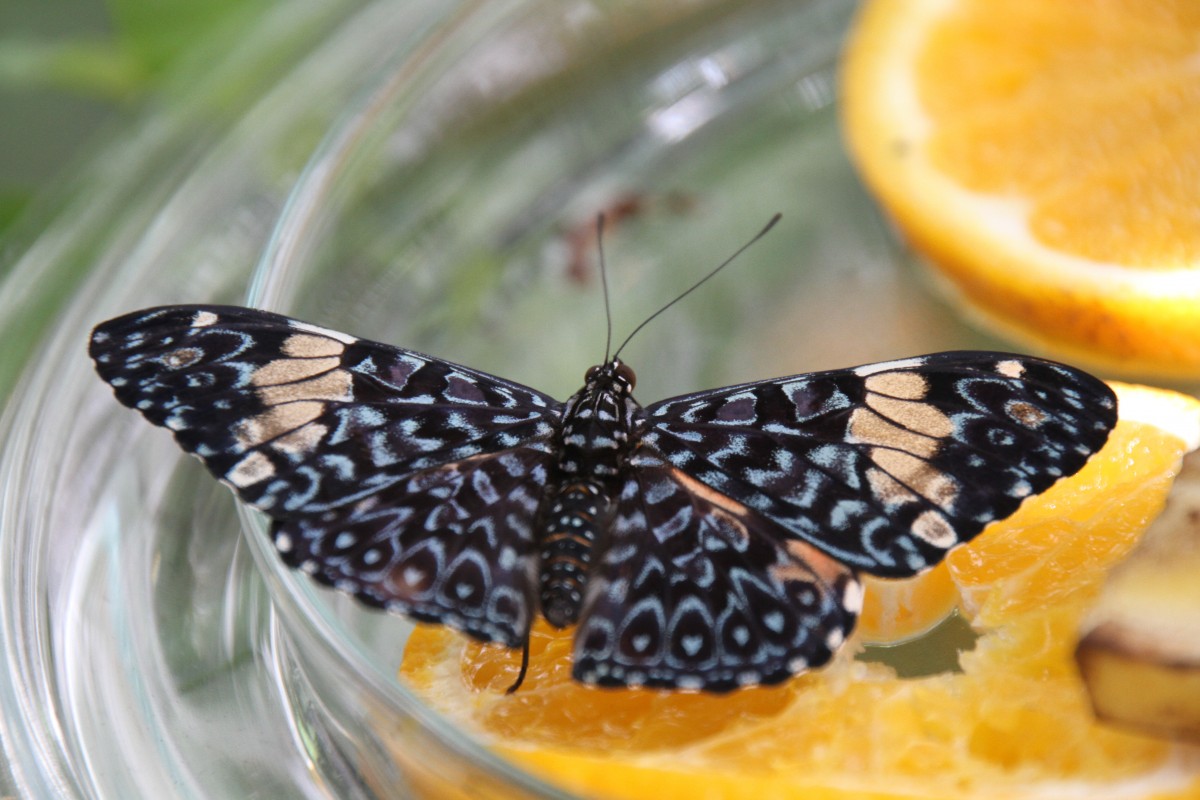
{"x":599,"y":429}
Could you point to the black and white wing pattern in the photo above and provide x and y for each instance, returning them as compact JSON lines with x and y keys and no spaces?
{"x":697,"y":591}
{"x":409,"y":481}
{"x":887,"y":466}
{"x":748,"y":512}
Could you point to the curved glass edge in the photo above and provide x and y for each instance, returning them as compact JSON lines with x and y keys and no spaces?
{"x":114,"y":196}
{"x":160,"y":217}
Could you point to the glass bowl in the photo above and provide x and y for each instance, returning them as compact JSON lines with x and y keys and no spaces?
{"x":455,"y":157}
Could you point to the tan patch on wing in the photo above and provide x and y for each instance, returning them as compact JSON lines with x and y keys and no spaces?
{"x":887,"y":489}
{"x":250,"y":470}
{"x":906,"y":385}
{"x":277,"y":421}
{"x":918,"y":417}
{"x":918,"y":475}
{"x":289,"y":370}
{"x":734,"y":511}
{"x":302,"y":440}
{"x":306,"y":345}
{"x":183,"y":357}
{"x":336,"y":385}
{"x":1027,"y":414}
{"x":707,"y":493}
{"x":933,"y":528}
{"x":869,"y":428}
{"x":808,"y":562}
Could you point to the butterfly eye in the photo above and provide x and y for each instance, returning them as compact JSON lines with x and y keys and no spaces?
{"x":591,"y":374}
{"x":625,"y":373}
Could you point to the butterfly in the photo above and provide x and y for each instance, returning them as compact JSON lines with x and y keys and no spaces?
{"x":709,"y":541}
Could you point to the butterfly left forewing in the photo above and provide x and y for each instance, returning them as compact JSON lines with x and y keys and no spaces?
{"x":888,"y":466}
{"x":298,"y":418}
{"x":696,"y":591}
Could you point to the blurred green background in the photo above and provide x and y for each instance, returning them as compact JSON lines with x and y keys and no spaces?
{"x":72,"y":70}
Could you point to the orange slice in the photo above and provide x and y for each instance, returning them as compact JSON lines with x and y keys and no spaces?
{"x":1015,"y":722}
{"x":899,"y":610}
{"x":1042,"y":154}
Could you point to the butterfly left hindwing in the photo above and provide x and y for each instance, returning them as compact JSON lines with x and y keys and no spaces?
{"x":454,"y":545}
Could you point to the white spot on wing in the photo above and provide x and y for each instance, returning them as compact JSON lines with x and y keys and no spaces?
{"x":344,"y":338}
{"x":883,"y":366}
{"x":852,"y":597}
{"x":1010,"y":368}
{"x":933,"y":528}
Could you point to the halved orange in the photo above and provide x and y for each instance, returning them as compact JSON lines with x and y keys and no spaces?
{"x":1043,"y":155}
{"x":1015,"y":722}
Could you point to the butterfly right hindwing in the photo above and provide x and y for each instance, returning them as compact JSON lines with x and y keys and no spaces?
{"x":696,"y":591}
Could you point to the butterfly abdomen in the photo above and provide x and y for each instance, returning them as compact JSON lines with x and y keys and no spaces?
{"x":595,"y":441}
{"x":578,"y":514}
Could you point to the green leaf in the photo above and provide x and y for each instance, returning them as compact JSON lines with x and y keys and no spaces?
{"x":88,"y":67}
{"x":155,"y":32}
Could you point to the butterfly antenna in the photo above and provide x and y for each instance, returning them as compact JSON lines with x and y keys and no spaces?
{"x":524,"y":668}
{"x":604,"y":282}
{"x":697,"y":284}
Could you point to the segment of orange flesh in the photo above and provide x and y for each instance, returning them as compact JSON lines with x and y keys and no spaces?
{"x":1015,"y":722}
{"x":897,"y":610}
{"x":1043,"y":157}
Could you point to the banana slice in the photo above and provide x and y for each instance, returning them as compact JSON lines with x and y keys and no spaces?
{"x":1140,"y":650}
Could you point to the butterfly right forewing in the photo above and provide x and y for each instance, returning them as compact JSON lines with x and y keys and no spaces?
{"x":888,"y":466}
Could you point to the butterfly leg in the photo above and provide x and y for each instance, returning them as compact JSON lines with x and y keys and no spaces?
{"x":524,"y":668}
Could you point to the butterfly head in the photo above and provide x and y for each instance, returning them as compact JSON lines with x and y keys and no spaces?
{"x":615,"y":375}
